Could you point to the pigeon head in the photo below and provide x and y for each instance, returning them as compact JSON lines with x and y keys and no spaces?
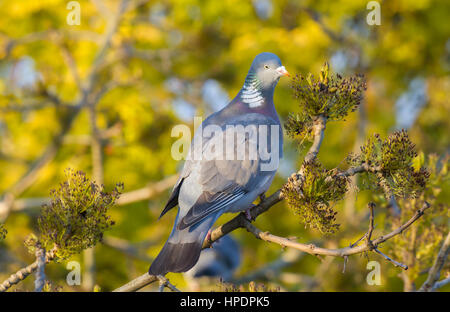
{"x":262,"y":78}
{"x":267,"y":69}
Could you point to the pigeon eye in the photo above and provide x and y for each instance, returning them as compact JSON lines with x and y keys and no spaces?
{"x":266,"y":66}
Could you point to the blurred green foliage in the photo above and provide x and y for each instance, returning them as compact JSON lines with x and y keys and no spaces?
{"x":192,"y":41}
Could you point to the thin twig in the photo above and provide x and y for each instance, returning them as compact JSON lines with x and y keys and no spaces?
{"x":140,"y":194}
{"x":442,"y":283}
{"x":396,"y":263}
{"x":347,"y":251}
{"x":368,"y":234}
{"x":435,"y":271}
{"x":371,"y":220}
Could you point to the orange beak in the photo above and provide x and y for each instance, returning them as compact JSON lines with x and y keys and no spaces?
{"x":283,"y":72}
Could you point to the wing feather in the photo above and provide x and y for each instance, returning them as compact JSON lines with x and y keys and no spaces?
{"x":224,"y":181}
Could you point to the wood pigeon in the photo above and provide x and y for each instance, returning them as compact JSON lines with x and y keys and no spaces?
{"x":232,"y":160}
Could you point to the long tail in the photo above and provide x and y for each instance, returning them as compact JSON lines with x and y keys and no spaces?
{"x":182,"y":250}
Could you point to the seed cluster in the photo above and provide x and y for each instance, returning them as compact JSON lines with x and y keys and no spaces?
{"x":76,"y":217}
{"x":394,"y":157}
{"x":331,"y":96}
{"x":311,"y":195}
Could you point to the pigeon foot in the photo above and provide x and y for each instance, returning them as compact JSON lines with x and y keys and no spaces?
{"x":248,"y":215}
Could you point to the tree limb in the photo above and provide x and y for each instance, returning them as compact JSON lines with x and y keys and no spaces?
{"x":240,"y":221}
{"x":137,"y":283}
{"x":341,"y":252}
{"x":435,"y":271}
{"x":24,"y":272}
{"x":441,"y":283}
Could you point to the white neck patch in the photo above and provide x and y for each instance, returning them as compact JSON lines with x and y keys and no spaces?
{"x":251,"y":95}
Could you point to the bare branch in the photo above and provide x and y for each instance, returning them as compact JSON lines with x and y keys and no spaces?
{"x":23,"y":273}
{"x":137,"y":283}
{"x":371,"y":206}
{"x":241,"y":221}
{"x":441,"y":283}
{"x":435,"y":271}
{"x":359,"y":169}
{"x":144,"y":193}
{"x":396,"y":263}
{"x":347,"y":251}
{"x":319,"y":129}
{"x":147,"y":192}
{"x":85,"y":139}
{"x":314,"y":15}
